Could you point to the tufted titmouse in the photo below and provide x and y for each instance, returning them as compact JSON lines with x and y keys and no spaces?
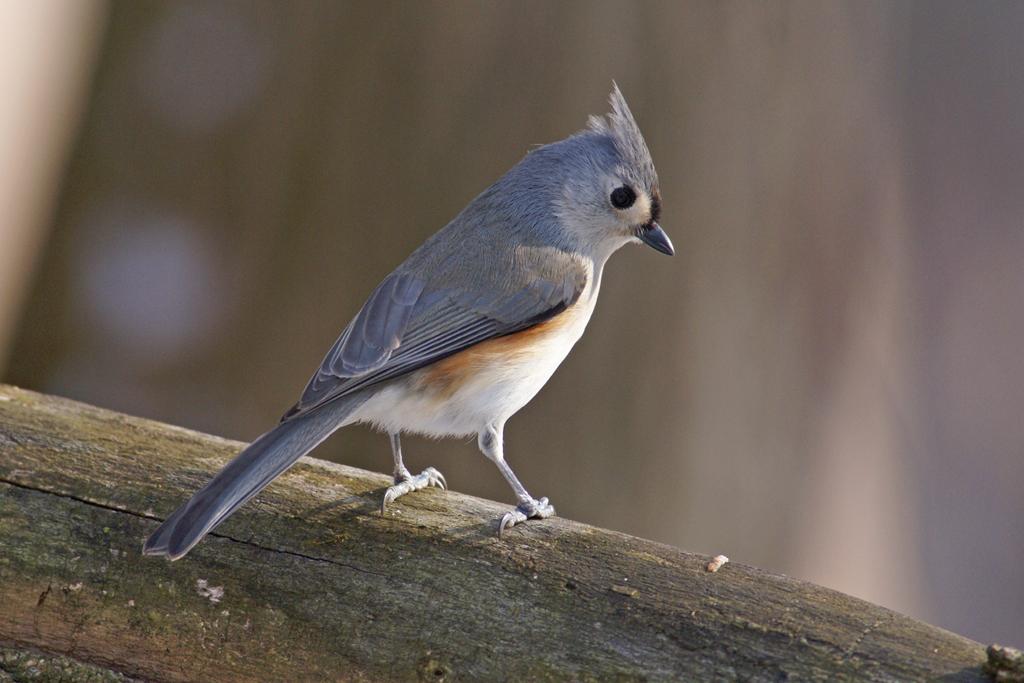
{"x":469,"y":328}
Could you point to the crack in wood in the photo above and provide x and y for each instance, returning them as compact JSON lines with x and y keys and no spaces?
{"x":45,"y":594}
{"x":213,"y":534}
{"x":848,"y":653}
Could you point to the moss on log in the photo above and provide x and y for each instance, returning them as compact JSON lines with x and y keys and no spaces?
{"x":18,"y":665}
{"x":310,"y":582}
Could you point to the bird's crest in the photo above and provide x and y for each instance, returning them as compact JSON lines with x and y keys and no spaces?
{"x":621,"y":127}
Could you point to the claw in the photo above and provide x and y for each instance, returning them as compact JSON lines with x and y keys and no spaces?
{"x":437,"y":479}
{"x":428,"y":477}
{"x":531,"y":509}
{"x":510,"y":519}
{"x":389,"y":497}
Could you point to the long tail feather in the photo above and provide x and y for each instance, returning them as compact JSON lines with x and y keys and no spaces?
{"x":260,"y":463}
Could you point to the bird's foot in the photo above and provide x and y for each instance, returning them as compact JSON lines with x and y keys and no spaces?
{"x":408,"y":483}
{"x":530,"y":509}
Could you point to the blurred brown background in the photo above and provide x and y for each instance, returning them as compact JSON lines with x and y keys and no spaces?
{"x":826,"y":381}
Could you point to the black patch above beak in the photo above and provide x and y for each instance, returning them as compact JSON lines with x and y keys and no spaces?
{"x":653,"y":236}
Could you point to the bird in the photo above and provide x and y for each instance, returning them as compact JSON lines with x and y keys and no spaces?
{"x":467,"y":330}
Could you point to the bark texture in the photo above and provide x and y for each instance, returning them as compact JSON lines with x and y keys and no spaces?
{"x":310,"y":582}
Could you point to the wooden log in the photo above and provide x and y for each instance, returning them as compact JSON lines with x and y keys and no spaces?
{"x":310,"y":582}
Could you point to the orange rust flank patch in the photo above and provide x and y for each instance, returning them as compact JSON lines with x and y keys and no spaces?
{"x":446,"y":376}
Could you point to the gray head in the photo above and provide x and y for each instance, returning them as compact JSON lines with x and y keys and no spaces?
{"x":599,"y":185}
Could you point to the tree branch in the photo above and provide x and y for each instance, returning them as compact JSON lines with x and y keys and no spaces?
{"x":309,"y":581}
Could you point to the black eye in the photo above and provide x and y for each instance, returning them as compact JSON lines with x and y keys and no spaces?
{"x":623,"y":197}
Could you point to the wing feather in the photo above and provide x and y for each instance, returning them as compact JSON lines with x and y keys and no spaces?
{"x":407,"y":324}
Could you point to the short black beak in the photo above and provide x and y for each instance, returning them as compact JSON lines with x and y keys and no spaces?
{"x":653,"y":236}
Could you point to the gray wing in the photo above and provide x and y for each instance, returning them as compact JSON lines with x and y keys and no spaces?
{"x":408,"y":323}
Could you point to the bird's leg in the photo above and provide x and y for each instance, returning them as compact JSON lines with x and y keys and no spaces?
{"x":491,"y":444}
{"x":405,"y":481}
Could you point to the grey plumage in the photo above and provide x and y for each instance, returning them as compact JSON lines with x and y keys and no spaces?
{"x":520,"y":253}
